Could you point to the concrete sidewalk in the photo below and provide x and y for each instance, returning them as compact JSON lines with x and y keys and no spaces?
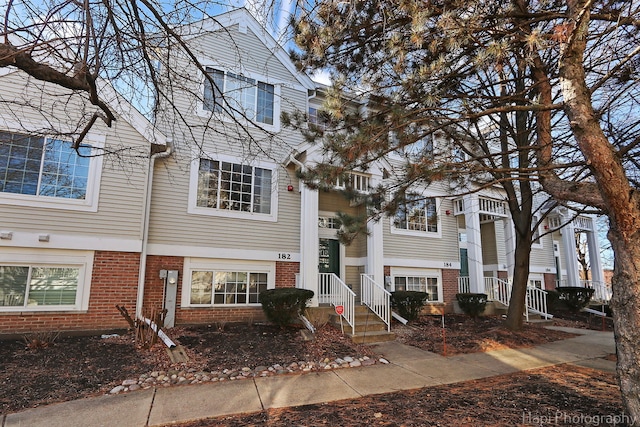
{"x":410,"y":368}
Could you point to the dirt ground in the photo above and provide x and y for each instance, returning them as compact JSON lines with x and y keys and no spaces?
{"x":75,"y":367}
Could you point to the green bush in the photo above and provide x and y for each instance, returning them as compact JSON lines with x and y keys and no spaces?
{"x":472,"y":304}
{"x":282,"y":306}
{"x":408,"y":303}
{"x":553,"y":301}
{"x":575,"y":298}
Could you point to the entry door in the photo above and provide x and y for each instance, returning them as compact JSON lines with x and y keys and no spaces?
{"x":464,"y":263}
{"x":329,"y":256}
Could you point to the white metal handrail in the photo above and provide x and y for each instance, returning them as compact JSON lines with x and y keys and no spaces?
{"x":464,"y":286}
{"x":537,"y":302}
{"x":602,"y":291}
{"x":377,"y":298}
{"x":332,"y":290}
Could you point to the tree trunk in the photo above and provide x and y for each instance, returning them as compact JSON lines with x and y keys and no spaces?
{"x":626,"y":318}
{"x":520,"y":281}
{"x":622,"y":204}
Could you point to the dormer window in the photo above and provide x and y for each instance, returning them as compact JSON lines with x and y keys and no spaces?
{"x":243,"y":96}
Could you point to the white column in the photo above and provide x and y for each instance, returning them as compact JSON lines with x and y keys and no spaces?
{"x":375,"y":248}
{"x":474,"y":243}
{"x":595,"y":263}
{"x":570,"y":255}
{"x":375,"y":253}
{"x":309,"y":240}
{"x":510,"y":245}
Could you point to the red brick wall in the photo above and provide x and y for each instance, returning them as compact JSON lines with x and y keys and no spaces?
{"x":549,"y":281}
{"x":286,"y":274}
{"x":503,"y":275}
{"x":449,"y":288}
{"x":154,"y":288}
{"x":114,"y":281}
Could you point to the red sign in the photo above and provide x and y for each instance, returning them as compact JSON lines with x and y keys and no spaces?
{"x":339,"y":309}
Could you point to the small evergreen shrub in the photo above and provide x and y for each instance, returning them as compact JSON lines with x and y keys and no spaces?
{"x":553,"y":301}
{"x":408,"y":303}
{"x":575,"y":298}
{"x":472,"y":304}
{"x":282,"y":306}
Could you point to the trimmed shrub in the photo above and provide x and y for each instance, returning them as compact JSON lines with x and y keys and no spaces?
{"x":472,"y":304}
{"x":408,"y":303}
{"x":575,"y":298}
{"x":553,"y":301}
{"x":282,"y":306}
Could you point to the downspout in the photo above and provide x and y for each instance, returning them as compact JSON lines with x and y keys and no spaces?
{"x":145,"y":228}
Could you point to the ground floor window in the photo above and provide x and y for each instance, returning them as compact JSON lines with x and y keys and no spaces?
{"x":226,"y":287}
{"x":60,"y":283}
{"x":212,"y":283}
{"x":422,"y":280}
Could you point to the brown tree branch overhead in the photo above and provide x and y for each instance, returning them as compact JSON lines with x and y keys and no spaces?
{"x":12,"y":56}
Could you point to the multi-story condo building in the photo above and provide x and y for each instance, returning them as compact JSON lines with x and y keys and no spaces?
{"x":217,"y":213}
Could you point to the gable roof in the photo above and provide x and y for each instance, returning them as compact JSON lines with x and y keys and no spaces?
{"x":246,"y":21}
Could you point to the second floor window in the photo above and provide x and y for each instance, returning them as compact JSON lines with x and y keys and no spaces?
{"x":38,"y":166}
{"x":417,"y":214}
{"x":233,"y":186}
{"x":244,"y":96}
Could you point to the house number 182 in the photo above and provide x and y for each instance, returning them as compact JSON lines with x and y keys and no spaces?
{"x":284,"y":256}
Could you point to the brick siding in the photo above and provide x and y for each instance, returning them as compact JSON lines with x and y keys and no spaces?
{"x":114,"y":281}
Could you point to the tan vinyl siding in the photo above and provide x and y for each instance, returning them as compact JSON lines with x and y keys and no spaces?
{"x":123,"y":178}
{"x":488,"y":236}
{"x":501,"y":246}
{"x":424,"y":247}
{"x":172,"y":225}
{"x":352,"y":278}
{"x":206,"y":135}
{"x":543,"y":257}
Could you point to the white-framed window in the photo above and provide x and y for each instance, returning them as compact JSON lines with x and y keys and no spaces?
{"x":317,"y":118}
{"x":536,"y":281}
{"x":416,"y":279}
{"x":244,"y":96}
{"x":217,"y":283}
{"x":37,"y":171}
{"x":228,"y":187}
{"x":418,"y":215}
{"x":41,"y":281}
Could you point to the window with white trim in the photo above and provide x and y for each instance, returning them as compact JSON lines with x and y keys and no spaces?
{"x":44,"y":281}
{"x":417,"y":214}
{"x":243,"y":96}
{"x":43,"y":167}
{"x":418,"y":283}
{"x":235,"y":187}
{"x":220,"y":287}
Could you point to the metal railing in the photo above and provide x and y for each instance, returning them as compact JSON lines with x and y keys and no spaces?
{"x":377,"y":298}
{"x":537,"y":303}
{"x":500,"y":290}
{"x":464,"y":286}
{"x":333,"y":291}
{"x":602,"y":291}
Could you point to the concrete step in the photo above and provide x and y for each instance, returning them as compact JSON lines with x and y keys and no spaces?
{"x":361,"y":327}
{"x":373,"y":337}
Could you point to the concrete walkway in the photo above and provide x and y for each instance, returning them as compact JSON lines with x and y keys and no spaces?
{"x":410,"y":368}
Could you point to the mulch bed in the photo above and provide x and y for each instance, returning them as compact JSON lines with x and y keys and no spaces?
{"x":76,"y":367}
